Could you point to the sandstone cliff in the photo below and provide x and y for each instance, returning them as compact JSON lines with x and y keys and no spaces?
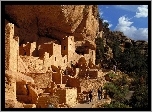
{"x":53,"y":21}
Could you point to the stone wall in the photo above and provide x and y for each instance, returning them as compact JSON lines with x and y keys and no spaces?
{"x":33,"y":49}
{"x":45,"y":47}
{"x":71,"y":49}
{"x":46,"y":60}
{"x":72,"y":82}
{"x":69,"y":71}
{"x":64,"y":62}
{"x":58,"y":61}
{"x":64,"y":46}
{"x":10,"y":86}
{"x":71,"y":96}
{"x":11,"y":48}
{"x":57,"y":52}
{"x":68,"y":48}
{"x":91,"y":56}
{"x":67,"y":96}
{"x":25,"y":49}
{"x":51,"y":53}
{"x":22,"y":67}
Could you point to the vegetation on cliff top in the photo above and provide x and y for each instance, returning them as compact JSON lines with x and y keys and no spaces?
{"x":130,"y":61}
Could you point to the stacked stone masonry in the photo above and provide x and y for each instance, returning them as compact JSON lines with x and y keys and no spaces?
{"x":67,"y":96}
{"x":53,"y":67}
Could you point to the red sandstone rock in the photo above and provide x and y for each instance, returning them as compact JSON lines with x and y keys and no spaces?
{"x":34,"y":21}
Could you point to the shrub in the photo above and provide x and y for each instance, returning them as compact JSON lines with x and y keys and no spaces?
{"x":116,"y":92}
{"x":111,"y":75}
{"x":116,"y":104}
{"x":140,"y":97}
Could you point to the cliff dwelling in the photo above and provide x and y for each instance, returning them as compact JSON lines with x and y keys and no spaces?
{"x":69,"y":56}
{"x":50,"y":56}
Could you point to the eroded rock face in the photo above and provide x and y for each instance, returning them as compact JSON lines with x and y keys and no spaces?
{"x":54,"y":21}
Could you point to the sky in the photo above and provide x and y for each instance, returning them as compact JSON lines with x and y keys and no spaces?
{"x":132,"y":20}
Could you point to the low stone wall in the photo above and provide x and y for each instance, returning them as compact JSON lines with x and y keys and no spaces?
{"x":71,"y":96}
{"x":67,"y":96}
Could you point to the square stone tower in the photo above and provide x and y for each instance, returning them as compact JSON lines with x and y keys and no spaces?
{"x":11,"y":48}
{"x":68,"y":48}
